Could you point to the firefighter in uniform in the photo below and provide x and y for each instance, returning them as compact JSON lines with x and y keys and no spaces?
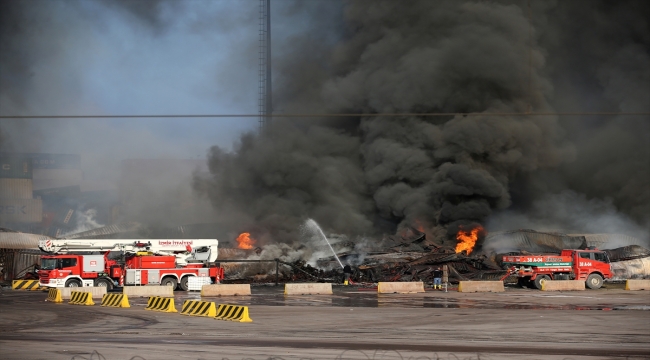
{"x":437,"y":278}
{"x":347,"y":271}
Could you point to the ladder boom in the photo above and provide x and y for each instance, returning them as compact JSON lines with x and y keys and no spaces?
{"x":185,"y":250}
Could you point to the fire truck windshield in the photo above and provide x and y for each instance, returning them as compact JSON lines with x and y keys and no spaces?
{"x":48,"y":264}
{"x":51,"y":264}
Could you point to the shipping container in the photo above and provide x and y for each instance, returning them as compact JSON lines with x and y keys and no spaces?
{"x":66,"y":191}
{"x":56,"y":178}
{"x":55,"y":161}
{"x":21,"y":210}
{"x":13,"y":166}
{"x":48,"y":219}
{"x":16,"y":188}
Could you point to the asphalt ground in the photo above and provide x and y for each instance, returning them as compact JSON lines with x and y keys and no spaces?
{"x":353,"y":323}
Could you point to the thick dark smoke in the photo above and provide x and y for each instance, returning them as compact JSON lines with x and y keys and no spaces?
{"x":271,"y":186}
{"x":374,"y":175}
{"x":606,"y":68}
{"x":377,"y":175}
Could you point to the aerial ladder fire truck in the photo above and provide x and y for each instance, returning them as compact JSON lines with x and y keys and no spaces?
{"x":125,"y":262}
{"x":590,"y":265}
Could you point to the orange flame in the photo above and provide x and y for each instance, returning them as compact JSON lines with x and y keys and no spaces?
{"x":419,"y":226}
{"x":467,"y":239}
{"x":245,"y":241}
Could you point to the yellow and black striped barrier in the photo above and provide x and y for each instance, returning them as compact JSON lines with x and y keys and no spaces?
{"x":54,"y":295}
{"x":81,"y":298}
{"x":199,"y":308}
{"x":115,"y":300}
{"x":25,"y":285}
{"x":157,"y":303}
{"x":233,"y":313}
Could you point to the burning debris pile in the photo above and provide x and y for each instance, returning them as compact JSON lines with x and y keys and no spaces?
{"x":413,"y":257}
{"x":463,"y":262}
{"x":410,"y":257}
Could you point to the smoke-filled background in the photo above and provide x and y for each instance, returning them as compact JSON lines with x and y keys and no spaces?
{"x":380,"y":174}
{"x":369,"y":176}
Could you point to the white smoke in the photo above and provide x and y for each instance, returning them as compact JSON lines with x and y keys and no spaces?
{"x":572,"y":213}
{"x":85,"y":220}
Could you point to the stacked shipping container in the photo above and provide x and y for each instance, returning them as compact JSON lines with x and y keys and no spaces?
{"x":23,"y":177}
{"x":17,"y":205}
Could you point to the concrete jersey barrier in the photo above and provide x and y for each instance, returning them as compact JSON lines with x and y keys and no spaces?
{"x":308,"y":289}
{"x":116,"y":300}
{"x":81,"y":298}
{"x":199,"y":308}
{"x":235,"y":313}
{"x":637,"y":285}
{"x":97,"y":291}
{"x":54,"y":295}
{"x":225,"y":289}
{"x":25,"y":285}
{"x":480,"y":286}
{"x":162,"y":304}
{"x":148,"y":290}
{"x":563,"y":285}
{"x":400,"y":287}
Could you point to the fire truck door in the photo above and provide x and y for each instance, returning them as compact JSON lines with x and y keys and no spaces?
{"x":133,"y":277}
{"x":583,"y":264}
{"x":154,"y":277}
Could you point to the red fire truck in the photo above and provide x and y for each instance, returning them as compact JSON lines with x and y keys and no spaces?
{"x":590,"y":265}
{"x":123,"y":262}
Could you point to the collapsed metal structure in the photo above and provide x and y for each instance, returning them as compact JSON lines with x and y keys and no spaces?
{"x":414,"y":258}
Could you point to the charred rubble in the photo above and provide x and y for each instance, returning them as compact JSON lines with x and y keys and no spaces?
{"x":409,"y":257}
{"x":413,"y":257}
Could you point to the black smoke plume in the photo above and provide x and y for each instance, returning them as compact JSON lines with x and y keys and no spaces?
{"x":375,"y":175}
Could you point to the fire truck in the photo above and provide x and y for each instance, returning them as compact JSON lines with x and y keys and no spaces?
{"x":591,"y":265}
{"x":124,"y":262}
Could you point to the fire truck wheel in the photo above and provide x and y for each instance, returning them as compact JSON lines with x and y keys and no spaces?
{"x":540,"y":279}
{"x":73,"y":283}
{"x":169,"y":281}
{"x":594,"y":281}
{"x":103,"y":282}
{"x":183,"y":285}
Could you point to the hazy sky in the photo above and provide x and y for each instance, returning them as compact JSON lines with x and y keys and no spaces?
{"x":131,"y":57}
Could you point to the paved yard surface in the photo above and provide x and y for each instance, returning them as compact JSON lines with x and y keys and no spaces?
{"x":354,"y":323}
